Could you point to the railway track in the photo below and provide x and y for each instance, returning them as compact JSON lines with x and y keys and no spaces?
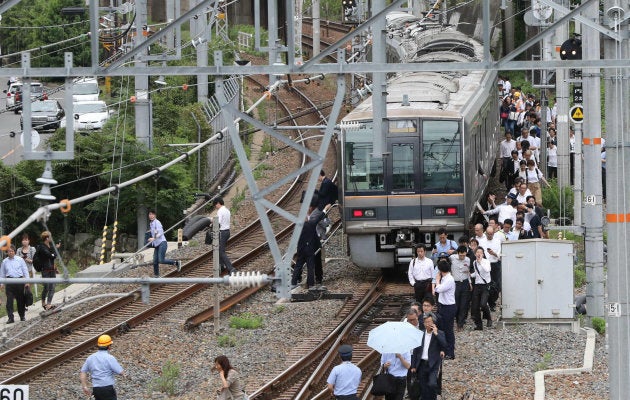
{"x":371,"y":304}
{"x":34,"y":358}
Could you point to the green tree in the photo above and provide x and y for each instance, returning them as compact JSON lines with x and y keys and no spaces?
{"x":22,"y":30}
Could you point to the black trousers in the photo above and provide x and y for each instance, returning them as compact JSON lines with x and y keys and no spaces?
{"x":428,"y":381}
{"x":495,"y":275}
{"x":463,"y":294}
{"x":15,"y":292}
{"x":420,"y":290}
{"x":480,"y":303}
{"x":224,"y":260}
{"x":104,"y":393}
{"x":401,"y":385}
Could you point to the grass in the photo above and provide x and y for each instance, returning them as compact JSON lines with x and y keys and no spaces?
{"x":167,"y":380}
{"x":226,"y":341}
{"x":237,"y":200}
{"x":579,"y":276}
{"x":544,"y":364}
{"x":265,"y":148}
{"x":246,"y":321}
{"x":259,"y":171}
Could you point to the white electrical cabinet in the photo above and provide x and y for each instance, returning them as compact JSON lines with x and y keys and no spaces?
{"x":537,"y":280}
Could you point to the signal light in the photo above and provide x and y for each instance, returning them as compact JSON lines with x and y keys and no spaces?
{"x":357,"y":213}
{"x":571,"y":49}
{"x":451,"y":210}
{"x":350,"y":12}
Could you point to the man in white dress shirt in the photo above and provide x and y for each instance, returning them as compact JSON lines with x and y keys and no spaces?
{"x":223,"y":213}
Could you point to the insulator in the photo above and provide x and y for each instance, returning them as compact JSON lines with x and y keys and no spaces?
{"x":248,"y":279}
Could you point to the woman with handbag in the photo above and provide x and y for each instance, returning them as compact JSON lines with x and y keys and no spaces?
{"x":481,"y":273}
{"x":420,"y":273}
{"x":46,"y":252}
{"x":231,"y":388}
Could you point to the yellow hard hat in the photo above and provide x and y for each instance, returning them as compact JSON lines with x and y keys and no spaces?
{"x":104,"y":341}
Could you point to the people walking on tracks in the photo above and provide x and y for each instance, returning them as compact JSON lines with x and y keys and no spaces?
{"x":420,"y":273}
{"x":326,"y":197}
{"x":14,"y":267}
{"x":224,"y":215}
{"x":397,"y":364}
{"x":46,"y":255}
{"x":344,"y":378}
{"x":159,"y":244}
{"x":102,"y":366}
{"x":445,"y":287}
{"x":460,"y":268}
{"x":426,"y":360}
{"x":307,"y":251}
{"x":481,"y":268}
{"x":231,"y":387}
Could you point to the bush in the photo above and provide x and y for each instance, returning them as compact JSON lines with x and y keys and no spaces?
{"x":599,"y":324}
{"x":559,"y":202}
{"x":579,"y":276}
{"x":166,"y":382}
{"x":246,"y":321}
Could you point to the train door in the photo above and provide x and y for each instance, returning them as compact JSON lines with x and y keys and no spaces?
{"x":402,"y":172}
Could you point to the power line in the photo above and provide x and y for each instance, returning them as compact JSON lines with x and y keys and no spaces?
{"x":44,"y":26}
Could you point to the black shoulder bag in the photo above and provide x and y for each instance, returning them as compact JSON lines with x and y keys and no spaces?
{"x":383,"y":383}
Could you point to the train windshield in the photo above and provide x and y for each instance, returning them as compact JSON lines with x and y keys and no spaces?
{"x":441,"y":143}
{"x":363,"y":172}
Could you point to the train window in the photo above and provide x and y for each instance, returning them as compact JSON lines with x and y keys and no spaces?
{"x":402,"y":126}
{"x":362,"y":171}
{"x":402,"y":166}
{"x":441,"y":149}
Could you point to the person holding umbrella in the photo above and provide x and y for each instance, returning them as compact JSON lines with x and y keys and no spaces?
{"x":426,"y":359}
{"x":344,"y":378}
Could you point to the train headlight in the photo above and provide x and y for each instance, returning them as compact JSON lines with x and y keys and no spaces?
{"x":440,"y":211}
{"x":360,"y":213}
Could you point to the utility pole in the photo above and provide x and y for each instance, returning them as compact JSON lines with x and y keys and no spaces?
{"x":379,"y":94}
{"x":618,"y":191}
{"x":562,"y":101}
{"x":144,"y":128}
{"x":200,"y":31}
{"x":170,"y":17}
{"x":316,"y":27}
{"x":593,"y":209}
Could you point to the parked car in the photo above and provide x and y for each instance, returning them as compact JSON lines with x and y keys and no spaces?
{"x":85,"y":89}
{"x":14,"y":95}
{"x":45,"y":115}
{"x":89,"y":115}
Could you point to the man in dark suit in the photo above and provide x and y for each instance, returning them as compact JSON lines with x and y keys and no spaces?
{"x":308,"y":244}
{"x":426,"y":360}
{"x":327,"y":196}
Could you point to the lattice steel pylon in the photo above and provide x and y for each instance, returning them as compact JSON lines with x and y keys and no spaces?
{"x":220,"y":20}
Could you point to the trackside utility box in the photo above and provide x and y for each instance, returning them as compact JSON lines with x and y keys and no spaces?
{"x":537,"y":281}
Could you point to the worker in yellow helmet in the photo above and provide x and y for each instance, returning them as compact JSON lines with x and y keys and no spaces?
{"x":101,"y":366}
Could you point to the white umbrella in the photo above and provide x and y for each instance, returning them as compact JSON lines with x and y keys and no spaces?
{"x":394,"y":337}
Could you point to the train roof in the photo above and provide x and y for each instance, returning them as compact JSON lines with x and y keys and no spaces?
{"x":430,"y":94}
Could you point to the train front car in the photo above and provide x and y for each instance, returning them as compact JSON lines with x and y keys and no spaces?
{"x":440,"y":131}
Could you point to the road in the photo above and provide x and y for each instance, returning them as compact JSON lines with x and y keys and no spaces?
{"x":11,"y":150}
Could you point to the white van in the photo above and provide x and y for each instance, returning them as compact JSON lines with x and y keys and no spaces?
{"x":85,"y":89}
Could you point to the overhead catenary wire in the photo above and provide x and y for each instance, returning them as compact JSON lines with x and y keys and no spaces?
{"x":42,"y":212}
